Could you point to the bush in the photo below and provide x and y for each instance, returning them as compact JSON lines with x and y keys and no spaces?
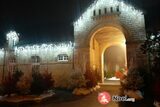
{"x":17,"y":75}
{"x":37,"y":86}
{"x":76,"y":80}
{"x":10,"y":81}
{"x":24,"y":85}
{"x":41,"y":82}
{"x":91,"y":79}
{"x":109,"y":74}
{"x":134,"y":80}
{"x":48,"y":80}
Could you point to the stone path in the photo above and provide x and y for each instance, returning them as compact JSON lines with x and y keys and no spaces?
{"x":88,"y":101}
{"x":68,"y":100}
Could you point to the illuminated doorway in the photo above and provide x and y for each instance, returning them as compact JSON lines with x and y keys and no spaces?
{"x":108,"y":52}
{"x":114,"y":61}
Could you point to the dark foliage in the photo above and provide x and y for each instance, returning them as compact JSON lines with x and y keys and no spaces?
{"x":10,"y":81}
{"x":91,"y":78}
{"x":48,"y":80}
{"x":151,"y":47}
{"x":41,"y":82}
{"x":134,"y":80}
{"x":37,"y":86}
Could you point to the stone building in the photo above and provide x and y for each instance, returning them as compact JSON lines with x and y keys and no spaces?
{"x":107,"y":37}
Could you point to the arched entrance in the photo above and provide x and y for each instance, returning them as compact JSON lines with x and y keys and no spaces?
{"x":114,"y":62}
{"x":106,"y":24}
{"x":108,"y":43}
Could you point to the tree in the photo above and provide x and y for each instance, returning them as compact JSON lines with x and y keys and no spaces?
{"x":151,"y":47}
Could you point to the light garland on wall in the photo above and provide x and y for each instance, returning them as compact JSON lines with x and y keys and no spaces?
{"x":125,"y":9}
{"x":45,"y":51}
{"x":1,"y":53}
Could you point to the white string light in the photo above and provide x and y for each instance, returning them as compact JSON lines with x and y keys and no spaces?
{"x":1,"y":53}
{"x":45,"y":51}
{"x":12,"y":38}
{"x":126,"y":10}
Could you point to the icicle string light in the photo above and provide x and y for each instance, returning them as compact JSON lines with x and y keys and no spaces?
{"x":1,"y":53}
{"x":125,"y":9}
{"x":12,"y":38}
{"x":44,"y":50}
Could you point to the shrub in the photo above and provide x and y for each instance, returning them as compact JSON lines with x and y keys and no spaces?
{"x":91,"y":80}
{"x":109,"y":74}
{"x":134,"y":80}
{"x":37,"y":86}
{"x":10,"y":81}
{"x":48,"y":80}
{"x":41,"y":82}
{"x":24,"y":85}
{"x":76,"y":80}
{"x":17,"y":75}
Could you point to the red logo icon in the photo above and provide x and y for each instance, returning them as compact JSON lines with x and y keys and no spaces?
{"x":104,"y":98}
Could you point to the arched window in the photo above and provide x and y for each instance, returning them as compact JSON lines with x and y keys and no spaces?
{"x":63,"y":57}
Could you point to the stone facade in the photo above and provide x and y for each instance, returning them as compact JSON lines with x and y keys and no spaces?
{"x":103,"y":14}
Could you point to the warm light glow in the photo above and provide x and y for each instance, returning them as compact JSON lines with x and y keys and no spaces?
{"x":113,"y":78}
{"x":126,"y":11}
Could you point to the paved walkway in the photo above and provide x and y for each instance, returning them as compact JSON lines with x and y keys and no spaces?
{"x":88,"y":101}
{"x":68,"y":100}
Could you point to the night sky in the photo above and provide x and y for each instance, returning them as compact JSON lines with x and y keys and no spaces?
{"x":44,"y":21}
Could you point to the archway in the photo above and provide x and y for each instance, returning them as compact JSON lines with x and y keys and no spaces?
{"x":106,"y":38}
{"x":114,"y":61}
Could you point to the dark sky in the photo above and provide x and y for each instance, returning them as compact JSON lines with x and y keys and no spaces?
{"x":51,"y":20}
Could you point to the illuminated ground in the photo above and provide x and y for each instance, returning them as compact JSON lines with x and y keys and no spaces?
{"x":68,"y":100}
{"x":88,"y":101}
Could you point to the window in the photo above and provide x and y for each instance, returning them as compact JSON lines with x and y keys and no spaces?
{"x":35,"y":59}
{"x":12,"y":60}
{"x":63,"y":57}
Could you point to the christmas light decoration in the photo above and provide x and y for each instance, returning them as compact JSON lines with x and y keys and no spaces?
{"x":126,"y":11}
{"x":1,"y":53}
{"x":44,"y":51}
{"x":12,"y":38}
